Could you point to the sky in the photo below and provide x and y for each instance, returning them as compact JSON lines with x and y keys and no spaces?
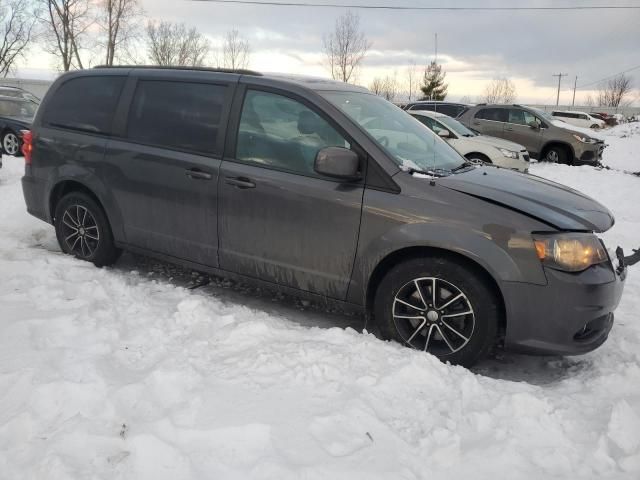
{"x":474,"y":47}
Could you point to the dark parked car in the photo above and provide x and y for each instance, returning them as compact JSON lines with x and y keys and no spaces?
{"x":16,"y":114}
{"x":448,"y":108}
{"x":277,"y":180}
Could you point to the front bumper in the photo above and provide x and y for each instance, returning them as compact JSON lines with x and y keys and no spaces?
{"x":572,"y":314}
{"x":590,"y":154}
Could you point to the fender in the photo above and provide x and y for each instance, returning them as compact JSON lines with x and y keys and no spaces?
{"x":506,"y":255}
{"x":84,"y":176}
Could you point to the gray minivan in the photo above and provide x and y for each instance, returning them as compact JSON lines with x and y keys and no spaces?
{"x":545,"y":137}
{"x":279,"y":180}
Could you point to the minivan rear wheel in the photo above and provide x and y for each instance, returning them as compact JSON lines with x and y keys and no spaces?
{"x":83,"y":230}
{"x":439,"y":306}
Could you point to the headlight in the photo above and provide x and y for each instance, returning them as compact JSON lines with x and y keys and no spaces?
{"x":571,"y":252}
{"x":584,"y":139}
{"x":508,"y":153}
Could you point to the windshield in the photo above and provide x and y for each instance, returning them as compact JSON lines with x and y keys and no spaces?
{"x":10,"y":108}
{"x":456,"y":127}
{"x":544,"y":115}
{"x":410,"y":143}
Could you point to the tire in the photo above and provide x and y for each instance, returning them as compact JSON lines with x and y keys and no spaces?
{"x":595,"y":126}
{"x":83,"y":230}
{"x":557,"y":154}
{"x":11,"y":143}
{"x":474,"y":314}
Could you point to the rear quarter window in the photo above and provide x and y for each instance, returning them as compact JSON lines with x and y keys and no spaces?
{"x":493,"y":114}
{"x":178,"y":115}
{"x":85,"y":104}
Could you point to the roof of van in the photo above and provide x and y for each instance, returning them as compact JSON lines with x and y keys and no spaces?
{"x":570,"y":111}
{"x":313,"y":83}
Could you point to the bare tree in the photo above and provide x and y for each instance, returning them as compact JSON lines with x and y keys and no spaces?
{"x":235,"y":51}
{"x":346,"y":47}
{"x":18,"y":20}
{"x":466,"y":99}
{"x":386,"y":87}
{"x":120,"y":24}
{"x":613,"y":92}
{"x":500,"y":90}
{"x":67,"y":23}
{"x":174,"y":44}
{"x":412,"y":80}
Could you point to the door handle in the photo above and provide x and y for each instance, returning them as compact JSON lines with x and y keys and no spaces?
{"x":476,"y":123}
{"x":509,"y":129}
{"x":195,"y":174}
{"x":240,"y":182}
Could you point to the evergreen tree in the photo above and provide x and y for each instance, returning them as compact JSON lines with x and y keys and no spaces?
{"x":433,"y":86}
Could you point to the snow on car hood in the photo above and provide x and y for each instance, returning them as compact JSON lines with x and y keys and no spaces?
{"x":497,"y":142}
{"x":574,"y":129}
{"x":550,"y":202}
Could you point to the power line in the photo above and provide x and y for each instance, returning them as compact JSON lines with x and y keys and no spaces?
{"x":608,"y":77}
{"x":408,"y":8}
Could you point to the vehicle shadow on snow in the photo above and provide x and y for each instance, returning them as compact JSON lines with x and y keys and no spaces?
{"x":500,"y":364}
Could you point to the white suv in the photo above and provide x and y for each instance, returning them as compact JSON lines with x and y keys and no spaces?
{"x":579,"y":119}
{"x":475,"y":147}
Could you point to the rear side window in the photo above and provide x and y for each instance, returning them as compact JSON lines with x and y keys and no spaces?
{"x":494,"y":114}
{"x":177,"y":115}
{"x":85,"y":104}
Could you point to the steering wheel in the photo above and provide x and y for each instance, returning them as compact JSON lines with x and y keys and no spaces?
{"x":384,"y":141}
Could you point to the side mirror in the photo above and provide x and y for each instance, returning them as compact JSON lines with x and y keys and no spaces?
{"x":534,"y":125}
{"x":444,"y":134}
{"x":338,"y":162}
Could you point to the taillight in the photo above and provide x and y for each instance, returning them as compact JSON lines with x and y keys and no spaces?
{"x":27,"y":145}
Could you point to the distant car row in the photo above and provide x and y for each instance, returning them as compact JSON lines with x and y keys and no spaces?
{"x":17,"y":109}
{"x":550,"y":137}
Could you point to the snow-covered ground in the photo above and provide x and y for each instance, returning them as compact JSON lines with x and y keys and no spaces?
{"x":124,"y":373}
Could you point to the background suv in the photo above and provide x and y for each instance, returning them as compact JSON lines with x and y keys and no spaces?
{"x":579,"y":119}
{"x":545,"y":137}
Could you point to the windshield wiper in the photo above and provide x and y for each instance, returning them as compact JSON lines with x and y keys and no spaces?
{"x":435,"y":172}
{"x":464,"y":166}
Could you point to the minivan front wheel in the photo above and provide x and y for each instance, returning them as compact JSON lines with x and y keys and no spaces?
{"x":83,"y":230}
{"x":438,"y":306}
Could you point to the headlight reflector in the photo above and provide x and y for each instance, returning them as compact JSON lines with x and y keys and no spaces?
{"x":508,"y":153}
{"x":584,"y":139}
{"x":571,"y":252}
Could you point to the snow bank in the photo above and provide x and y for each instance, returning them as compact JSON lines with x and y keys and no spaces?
{"x":120,"y":374}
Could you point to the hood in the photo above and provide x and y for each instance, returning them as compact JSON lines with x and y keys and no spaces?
{"x":550,"y":202}
{"x":574,"y":129}
{"x":497,"y":143}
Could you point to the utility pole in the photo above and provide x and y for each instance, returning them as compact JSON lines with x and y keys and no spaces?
{"x":575,"y":85}
{"x":436,"y":48}
{"x":559,"y":75}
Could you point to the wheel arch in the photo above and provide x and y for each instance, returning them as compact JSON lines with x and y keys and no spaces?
{"x":407,"y":253}
{"x":480,"y":155}
{"x":65,"y":187}
{"x":553,"y":143}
